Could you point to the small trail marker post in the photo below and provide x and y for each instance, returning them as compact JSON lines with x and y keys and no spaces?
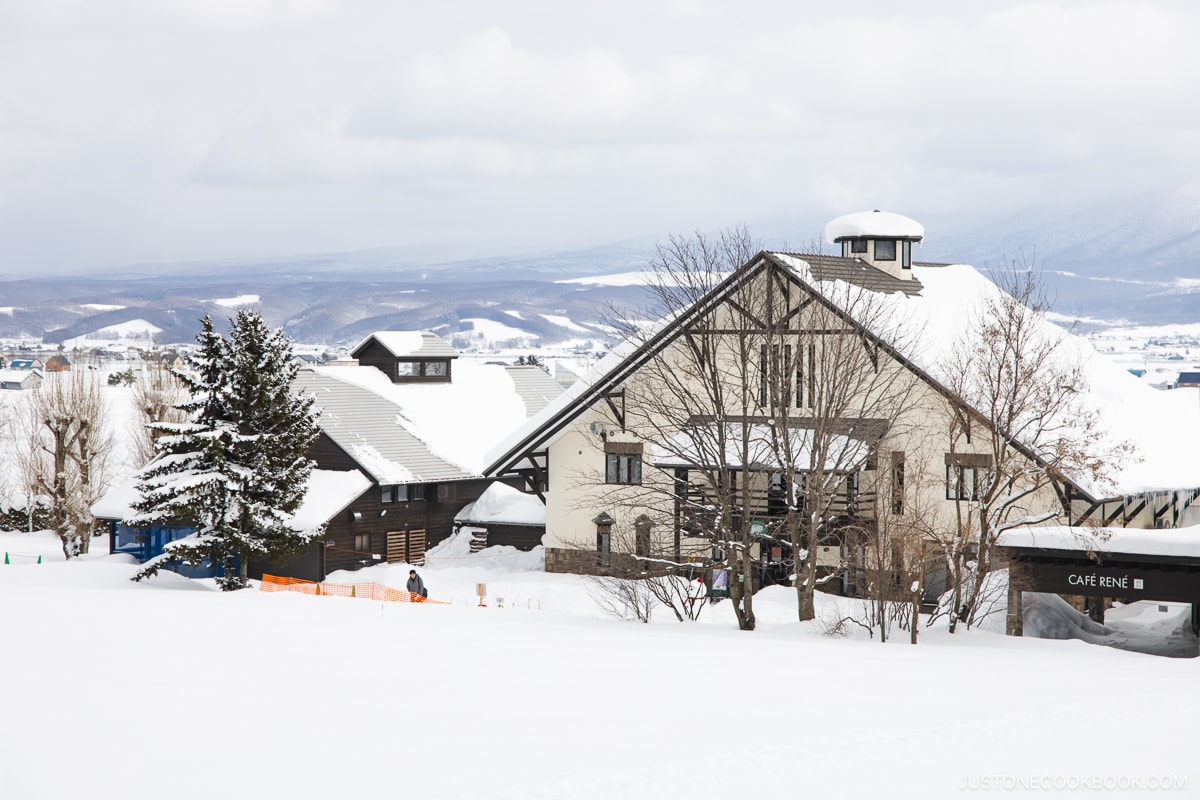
{"x":481,"y":590}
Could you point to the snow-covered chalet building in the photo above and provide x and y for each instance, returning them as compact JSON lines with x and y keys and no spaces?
{"x":595,"y":453}
{"x":417,"y":421}
{"x":399,"y":455}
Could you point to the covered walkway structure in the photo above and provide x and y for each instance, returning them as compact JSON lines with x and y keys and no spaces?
{"x":1121,"y":564}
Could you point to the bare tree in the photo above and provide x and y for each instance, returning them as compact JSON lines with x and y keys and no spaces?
{"x":157,"y":395}
{"x":763,"y":411}
{"x":893,"y":562}
{"x":622,"y":596}
{"x":1019,"y":414}
{"x":832,"y":393}
{"x":68,"y":443}
{"x":640,"y":576}
{"x":693,"y":404}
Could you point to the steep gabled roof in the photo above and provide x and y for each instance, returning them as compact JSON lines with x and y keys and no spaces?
{"x":409,"y":344}
{"x":534,"y":386}
{"x":20,"y":376}
{"x":620,"y":363}
{"x":370,"y":429}
{"x":942,"y":306}
{"x":424,"y":432}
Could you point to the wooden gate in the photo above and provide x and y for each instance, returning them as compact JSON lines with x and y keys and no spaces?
{"x":407,"y":547}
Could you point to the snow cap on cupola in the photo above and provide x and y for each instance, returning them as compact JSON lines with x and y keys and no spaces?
{"x":880,"y":238}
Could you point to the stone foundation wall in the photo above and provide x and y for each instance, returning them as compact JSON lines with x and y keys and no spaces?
{"x":589,"y":562}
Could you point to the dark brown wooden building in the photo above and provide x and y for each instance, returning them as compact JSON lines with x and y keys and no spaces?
{"x":371,"y":424}
{"x":413,"y":434}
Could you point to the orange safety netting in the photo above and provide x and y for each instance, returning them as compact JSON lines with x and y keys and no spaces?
{"x":370,"y":591}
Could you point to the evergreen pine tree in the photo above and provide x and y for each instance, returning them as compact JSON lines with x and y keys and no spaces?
{"x":237,"y":469}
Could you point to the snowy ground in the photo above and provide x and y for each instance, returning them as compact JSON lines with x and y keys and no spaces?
{"x":110,"y":689}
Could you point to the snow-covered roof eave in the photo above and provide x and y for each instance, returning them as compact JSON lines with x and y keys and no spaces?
{"x":502,"y":504}
{"x":327,"y":493}
{"x":1173,"y":542}
{"x":875,"y":225}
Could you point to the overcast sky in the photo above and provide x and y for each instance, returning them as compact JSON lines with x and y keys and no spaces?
{"x":167,"y":130}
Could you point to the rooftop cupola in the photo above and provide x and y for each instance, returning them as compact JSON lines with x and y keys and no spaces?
{"x":880,"y":238}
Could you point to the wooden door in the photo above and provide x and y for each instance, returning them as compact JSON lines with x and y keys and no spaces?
{"x":407,"y":547}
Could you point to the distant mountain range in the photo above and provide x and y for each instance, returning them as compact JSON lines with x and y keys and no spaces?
{"x":1139,"y":265}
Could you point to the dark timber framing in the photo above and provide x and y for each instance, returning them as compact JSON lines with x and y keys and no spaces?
{"x":690,"y":323}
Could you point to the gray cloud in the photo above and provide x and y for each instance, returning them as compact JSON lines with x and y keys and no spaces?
{"x":136,"y":130}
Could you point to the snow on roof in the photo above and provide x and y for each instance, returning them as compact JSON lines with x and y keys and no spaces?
{"x":1136,"y":541}
{"x":503,"y":504}
{"x":457,"y":421}
{"x":1163,"y":426}
{"x":117,"y":502}
{"x":326,"y":493}
{"x":580,"y":387}
{"x":15,"y":375}
{"x":873,"y":224}
{"x":535,"y":386}
{"x":410,"y":344}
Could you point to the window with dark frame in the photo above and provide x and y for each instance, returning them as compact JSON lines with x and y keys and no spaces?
{"x":963,"y":482}
{"x":396,"y":493}
{"x":641,"y":536}
{"x":623,"y":468}
{"x":763,"y":375}
{"x":906,"y":255}
{"x":362,"y":542}
{"x":897,"y":481}
{"x":967,"y":475}
{"x":623,"y":462}
{"x":773,"y":372}
{"x":885,"y":249}
{"x":858,"y":245}
{"x":852,"y":488}
{"x":812,"y":379}
{"x":422,"y":368}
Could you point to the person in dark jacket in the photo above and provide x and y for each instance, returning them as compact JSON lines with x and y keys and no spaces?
{"x":416,"y":585}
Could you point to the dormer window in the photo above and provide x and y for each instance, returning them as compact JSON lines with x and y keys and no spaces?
{"x":407,"y":356}
{"x":885,"y":249}
{"x":906,"y":254}
{"x":858,"y":246}
{"x":423,"y":369}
